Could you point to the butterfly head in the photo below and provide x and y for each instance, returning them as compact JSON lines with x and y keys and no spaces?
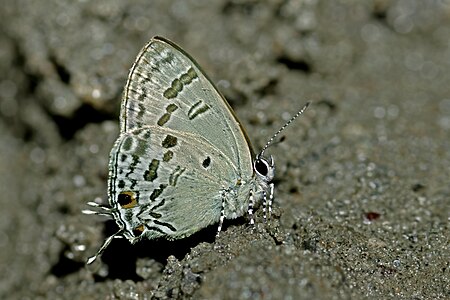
{"x":264,"y":168}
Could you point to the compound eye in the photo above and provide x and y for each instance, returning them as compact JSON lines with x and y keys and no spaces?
{"x":261,"y":167}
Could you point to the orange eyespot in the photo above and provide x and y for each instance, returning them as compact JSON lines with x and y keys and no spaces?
{"x":138,"y":230}
{"x":127,"y":200}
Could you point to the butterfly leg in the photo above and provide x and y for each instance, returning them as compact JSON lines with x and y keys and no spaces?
{"x":222,"y":216}
{"x":270,"y":198}
{"x":267,"y":203}
{"x":251,"y":203}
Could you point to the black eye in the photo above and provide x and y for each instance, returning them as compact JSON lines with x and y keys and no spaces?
{"x":261,"y":167}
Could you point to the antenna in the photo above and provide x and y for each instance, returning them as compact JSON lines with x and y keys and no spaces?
{"x":282,"y":128}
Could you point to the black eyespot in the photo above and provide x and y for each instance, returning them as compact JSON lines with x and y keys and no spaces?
{"x":121,"y":184}
{"x":261,"y":167}
{"x":124,"y":199}
{"x":206,"y":162}
{"x":138,"y":230}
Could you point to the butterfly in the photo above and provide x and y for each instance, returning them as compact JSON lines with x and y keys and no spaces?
{"x":182,"y":160}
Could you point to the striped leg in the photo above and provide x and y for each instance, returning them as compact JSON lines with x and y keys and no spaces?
{"x":222,"y":216}
{"x":271,"y":198}
{"x":265,"y":205}
{"x":251,"y":203}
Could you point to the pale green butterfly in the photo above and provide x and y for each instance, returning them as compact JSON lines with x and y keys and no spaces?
{"x":182,"y":160}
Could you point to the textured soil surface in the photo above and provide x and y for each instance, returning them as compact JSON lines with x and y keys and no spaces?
{"x":362,"y":204}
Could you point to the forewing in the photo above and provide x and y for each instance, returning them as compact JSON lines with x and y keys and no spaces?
{"x":166,"y":88}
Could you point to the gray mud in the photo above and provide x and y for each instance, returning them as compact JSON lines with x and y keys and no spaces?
{"x":362,"y":187}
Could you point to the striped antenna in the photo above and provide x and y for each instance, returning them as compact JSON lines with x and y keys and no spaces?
{"x":282,"y":128}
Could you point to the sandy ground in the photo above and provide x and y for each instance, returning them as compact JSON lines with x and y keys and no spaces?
{"x":362,"y":188}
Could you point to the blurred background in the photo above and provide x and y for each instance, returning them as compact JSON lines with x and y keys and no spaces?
{"x":362,"y":204}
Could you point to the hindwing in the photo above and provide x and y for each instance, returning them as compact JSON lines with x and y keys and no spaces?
{"x":168,"y":181}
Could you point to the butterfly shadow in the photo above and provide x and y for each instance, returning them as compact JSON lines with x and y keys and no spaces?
{"x":121,"y":256}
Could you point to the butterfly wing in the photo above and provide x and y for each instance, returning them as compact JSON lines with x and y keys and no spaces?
{"x":165,"y":182}
{"x":167,"y":88}
{"x":181,"y":152}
